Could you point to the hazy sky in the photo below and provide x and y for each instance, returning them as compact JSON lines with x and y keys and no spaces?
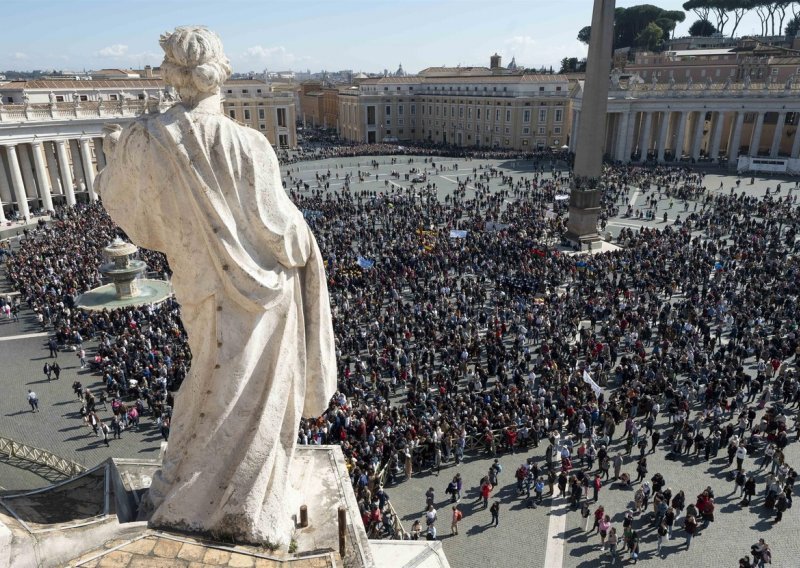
{"x":363,"y":35}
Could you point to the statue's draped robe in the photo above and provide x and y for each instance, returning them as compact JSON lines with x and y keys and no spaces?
{"x":250,"y":280}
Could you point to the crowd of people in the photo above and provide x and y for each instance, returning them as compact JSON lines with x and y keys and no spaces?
{"x":492,"y":340}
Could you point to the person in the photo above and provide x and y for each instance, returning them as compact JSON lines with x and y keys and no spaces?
{"x":56,"y":369}
{"x":690,"y":526}
{"x":33,"y":400}
{"x":47,"y":371}
{"x":781,"y":504}
{"x":603,"y":526}
{"x":430,"y":515}
{"x":741,"y":454}
{"x":662,"y":532}
{"x":416,"y":529}
{"x":263,"y":289}
{"x":749,"y":489}
{"x":486,"y":489}
{"x":456,"y":518}
{"x":586,"y":514}
{"x":761,"y":553}
{"x":612,"y":544}
{"x":596,"y":485}
{"x":106,"y":431}
{"x":495,"y":511}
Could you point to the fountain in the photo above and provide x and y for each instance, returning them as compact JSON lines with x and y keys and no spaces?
{"x":127,"y":287}
{"x":122,"y":269}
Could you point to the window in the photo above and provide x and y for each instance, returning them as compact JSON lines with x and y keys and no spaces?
{"x":282,"y":117}
{"x":558,"y":88}
{"x":262,"y":126}
{"x":370,"y":116}
{"x":399,"y":122}
{"x":497,"y":114}
{"x":508,"y":116}
{"x":557,"y":130}
{"x":414,"y":109}
{"x":526,"y":115}
{"x":247,"y":114}
{"x":541,"y":130}
{"x":507,"y":130}
{"x":478,"y":113}
{"x":141,"y":97}
{"x":245,"y":91}
{"x":559,"y":115}
{"x":261,"y":114}
{"x":232,"y":114}
{"x":541,"y":89}
{"x":258,"y":90}
{"x":526,"y":130}
{"x":400,"y":110}
{"x":388,"y":110}
{"x":469,"y":113}
{"x":542,"y":115}
{"x":388,"y":122}
{"x":60,"y":98}
{"x":283,"y":140}
{"x":230,"y":91}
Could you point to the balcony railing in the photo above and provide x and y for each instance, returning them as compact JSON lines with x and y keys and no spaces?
{"x":84,"y":110}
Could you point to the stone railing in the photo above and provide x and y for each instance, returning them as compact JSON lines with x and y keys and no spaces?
{"x":702,"y":89}
{"x":40,"y":457}
{"x":85,"y":110}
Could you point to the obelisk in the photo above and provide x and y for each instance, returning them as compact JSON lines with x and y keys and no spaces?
{"x":585,"y":194}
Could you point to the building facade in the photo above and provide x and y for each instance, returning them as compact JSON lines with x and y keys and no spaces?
{"x":51,"y":132}
{"x":471,"y":106}
{"x":319,"y":105}
{"x":262,"y":107}
{"x":710,"y":121}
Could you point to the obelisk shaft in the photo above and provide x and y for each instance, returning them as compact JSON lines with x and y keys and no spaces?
{"x":591,"y":132}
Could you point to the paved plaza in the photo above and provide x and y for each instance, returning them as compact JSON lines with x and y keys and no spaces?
{"x":550,"y":535}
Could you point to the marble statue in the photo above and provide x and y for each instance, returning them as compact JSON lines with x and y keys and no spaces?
{"x":248,"y":274}
{"x":52,"y":97}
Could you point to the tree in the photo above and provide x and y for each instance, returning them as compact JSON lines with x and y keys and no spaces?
{"x":738,"y":8}
{"x":702,"y":28}
{"x":793,"y":26}
{"x":583,"y":35}
{"x":651,"y":37}
{"x":699,"y":7}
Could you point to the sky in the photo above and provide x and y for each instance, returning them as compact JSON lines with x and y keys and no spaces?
{"x":332,"y":35}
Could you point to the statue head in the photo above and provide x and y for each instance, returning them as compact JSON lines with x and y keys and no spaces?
{"x":194,"y":62}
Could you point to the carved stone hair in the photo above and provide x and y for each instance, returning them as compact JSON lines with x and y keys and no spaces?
{"x":194,"y":62}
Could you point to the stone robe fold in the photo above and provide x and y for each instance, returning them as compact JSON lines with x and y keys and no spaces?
{"x":250,"y":280}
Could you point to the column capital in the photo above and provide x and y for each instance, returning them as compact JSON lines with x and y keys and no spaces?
{"x":60,"y":142}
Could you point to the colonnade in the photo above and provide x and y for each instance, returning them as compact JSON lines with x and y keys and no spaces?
{"x":42,"y":174}
{"x":666,"y":134}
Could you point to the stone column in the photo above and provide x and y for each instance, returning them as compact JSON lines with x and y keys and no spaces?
{"x":573,"y":129}
{"x":27,"y":171}
{"x":736,"y":140}
{"x":622,"y":136}
{"x":99,"y":154}
{"x":66,"y":174}
{"x":88,"y":168}
{"x":52,"y":167}
{"x":796,"y":145}
{"x":17,"y":182}
{"x":700,"y":122}
{"x":5,"y":190}
{"x":662,"y":134}
{"x":716,"y":137}
{"x":777,"y":136}
{"x":644,"y":146}
{"x":755,"y":139}
{"x":681,"y":135}
{"x":77,"y":168}
{"x":41,"y":175}
{"x":628,"y":144}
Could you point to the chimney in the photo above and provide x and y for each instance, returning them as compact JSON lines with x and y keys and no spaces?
{"x":148,"y":72}
{"x":495,"y":62}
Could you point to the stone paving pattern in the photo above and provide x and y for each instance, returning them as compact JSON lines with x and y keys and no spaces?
{"x":521,"y":538}
{"x":159,"y":551}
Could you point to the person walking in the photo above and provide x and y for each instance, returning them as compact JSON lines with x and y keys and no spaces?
{"x":47,"y":371}
{"x":612,"y":541}
{"x":105,"y":431}
{"x":596,"y":485}
{"x":495,"y":511}
{"x":56,"y":369}
{"x":33,"y":400}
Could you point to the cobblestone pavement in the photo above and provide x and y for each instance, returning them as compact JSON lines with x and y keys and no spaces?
{"x":522,"y":537}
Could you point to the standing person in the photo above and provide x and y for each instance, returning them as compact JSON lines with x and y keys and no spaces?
{"x":690,"y":526}
{"x":47,"y":370}
{"x":612,"y":544}
{"x":456,"y":518}
{"x":586,"y":514}
{"x":617,"y":465}
{"x":495,"y":511}
{"x":56,"y":370}
{"x":82,"y":356}
{"x":33,"y":400}
{"x":781,"y":504}
{"x":662,"y":532}
{"x":741,"y":453}
{"x":603,"y":527}
{"x":596,"y":485}
{"x":105,"y":430}
{"x":486,"y":489}
{"x":749,"y":489}
{"x":116,"y":427}
{"x":53,"y":346}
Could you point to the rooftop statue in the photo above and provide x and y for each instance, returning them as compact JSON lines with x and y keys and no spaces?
{"x":207,"y":192}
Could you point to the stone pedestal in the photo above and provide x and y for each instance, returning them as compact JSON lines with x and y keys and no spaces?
{"x":90,"y":521}
{"x":584,"y":212}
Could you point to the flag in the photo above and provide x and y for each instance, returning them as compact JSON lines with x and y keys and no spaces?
{"x":458,"y":234}
{"x":587,"y":378}
{"x":365,"y":263}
